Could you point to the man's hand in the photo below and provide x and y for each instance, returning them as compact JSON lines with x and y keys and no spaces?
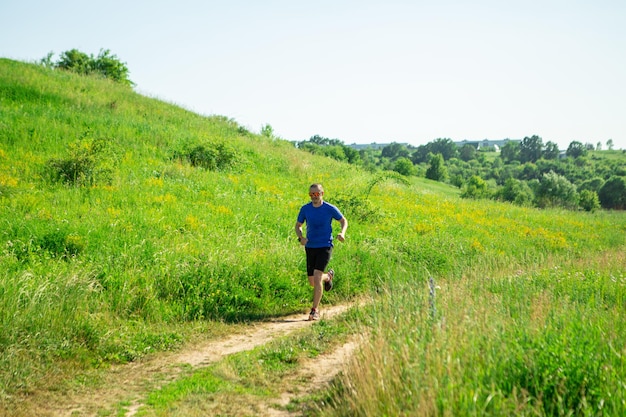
{"x":341,"y":237}
{"x":303,"y":241}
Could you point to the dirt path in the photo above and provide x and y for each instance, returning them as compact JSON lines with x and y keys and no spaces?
{"x":318,"y":372}
{"x":129,"y":383}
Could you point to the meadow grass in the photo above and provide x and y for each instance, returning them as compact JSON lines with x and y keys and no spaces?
{"x":116,"y":261}
{"x":548,"y":340}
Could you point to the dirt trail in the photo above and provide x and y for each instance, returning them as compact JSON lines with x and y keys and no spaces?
{"x":318,"y":371}
{"x":131,"y":382}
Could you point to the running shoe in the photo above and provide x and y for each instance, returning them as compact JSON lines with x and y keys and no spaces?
{"x":314,"y":315}
{"x":328,"y":285}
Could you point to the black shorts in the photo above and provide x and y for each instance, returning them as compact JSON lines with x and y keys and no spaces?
{"x":317,"y":258}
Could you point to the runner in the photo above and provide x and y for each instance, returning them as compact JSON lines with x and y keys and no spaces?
{"x":318,"y":243}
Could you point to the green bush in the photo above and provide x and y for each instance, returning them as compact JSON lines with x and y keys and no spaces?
{"x":593,"y":184}
{"x":515,"y":191}
{"x":613,"y":193}
{"x":437,"y":170}
{"x":589,"y":200}
{"x":556,"y":191}
{"x":211,"y":156}
{"x":476,"y":187}
{"x":105,"y":64}
{"x":85,"y":165}
{"x":404,"y":166}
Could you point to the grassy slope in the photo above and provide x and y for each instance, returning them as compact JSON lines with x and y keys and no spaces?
{"x":108,"y":271}
{"x":159,"y":243}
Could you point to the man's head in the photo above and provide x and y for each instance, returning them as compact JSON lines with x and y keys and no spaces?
{"x":316,"y":192}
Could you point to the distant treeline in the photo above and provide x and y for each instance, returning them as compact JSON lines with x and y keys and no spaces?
{"x":526,"y":172}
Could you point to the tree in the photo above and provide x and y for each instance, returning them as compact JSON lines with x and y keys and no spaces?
{"x":446,"y":147}
{"x":593,"y":184}
{"x":267,"y":130}
{"x":75,"y":61}
{"x":354,"y":157}
{"x":111,"y":67}
{"x":530,"y":172}
{"x":515,"y":191}
{"x":609,"y":144}
{"x":467,"y":153}
{"x":510,"y":152}
{"x":531,"y":149}
{"x":551,"y":151}
{"x":394,"y":151}
{"x":613,"y":193}
{"x":556,"y":191}
{"x":421,"y":154}
{"x":575,"y":150}
{"x":476,"y":187}
{"x":404,"y":166}
{"x":336,"y":152}
{"x":368,"y":159}
{"x":322,"y":141}
{"x":105,"y":65}
{"x":47,"y":61}
{"x":332,"y":148}
{"x":589,"y":200}
{"x":437,"y":170}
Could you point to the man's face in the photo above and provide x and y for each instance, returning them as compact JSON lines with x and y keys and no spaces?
{"x":315,"y":194}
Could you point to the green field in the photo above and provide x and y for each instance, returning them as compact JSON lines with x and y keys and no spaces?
{"x":126,"y":221}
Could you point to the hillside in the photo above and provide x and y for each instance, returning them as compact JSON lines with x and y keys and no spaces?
{"x":132,"y":226}
{"x":126,"y":217}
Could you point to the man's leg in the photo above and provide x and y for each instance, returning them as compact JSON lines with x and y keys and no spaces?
{"x":316,"y":281}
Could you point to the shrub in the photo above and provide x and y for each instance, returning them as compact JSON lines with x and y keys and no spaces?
{"x":85,"y":164}
{"x":612,"y":195}
{"x":437,"y":170}
{"x":515,"y":191}
{"x":589,"y":200}
{"x":556,"y":191}
{"x":593,"y":184}
{"x":267,"y":131}
{"x":211,"y":156}
{"x":476,"y":187}
{"x":404,"y":166}
{"x":105,"y":64}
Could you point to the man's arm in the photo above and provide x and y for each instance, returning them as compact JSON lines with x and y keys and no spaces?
{"x":301,"y":237}
{"x":344,"y":226}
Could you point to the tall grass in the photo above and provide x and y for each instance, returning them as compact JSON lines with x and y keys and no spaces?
{"x":548,"y":340}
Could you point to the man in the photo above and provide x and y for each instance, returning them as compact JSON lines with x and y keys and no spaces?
{"x":318,"y":243}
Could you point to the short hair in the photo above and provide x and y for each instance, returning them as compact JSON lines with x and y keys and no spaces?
{"x":318,"y":186}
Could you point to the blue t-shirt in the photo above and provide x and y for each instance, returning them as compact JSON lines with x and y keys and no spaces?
{"x":319,"y":230}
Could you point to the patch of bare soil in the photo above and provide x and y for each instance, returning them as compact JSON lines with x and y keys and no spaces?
{"x":129,"y":383}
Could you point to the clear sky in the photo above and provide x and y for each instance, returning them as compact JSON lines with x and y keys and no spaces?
{"x":359,"y":71}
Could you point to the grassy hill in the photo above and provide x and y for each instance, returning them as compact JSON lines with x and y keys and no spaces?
{"x":125,"y":220}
